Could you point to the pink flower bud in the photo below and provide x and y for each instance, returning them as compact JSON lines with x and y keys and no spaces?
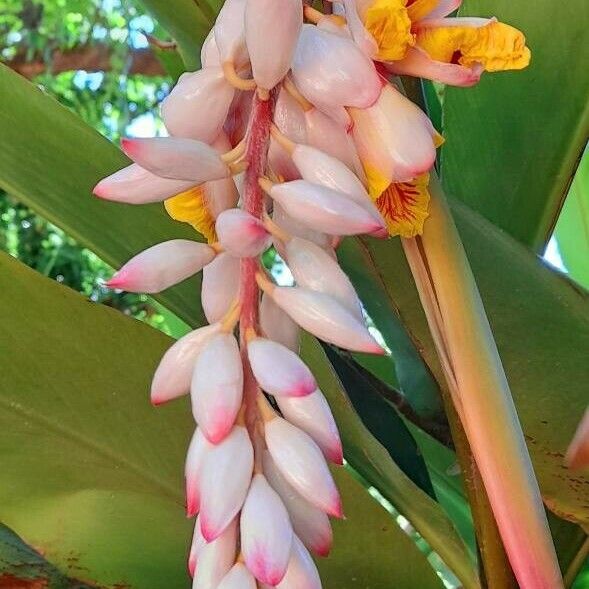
{"x":315,"y":269}
{"x":230,"y":32}
{"x":332,"y":138}
{"x":321,"y":168}
{"x":209,"y":52}
{"x":175,"y":158}
{"x":310,"y":524}
{"x":272,"y":24}
{"x":217,"y":386}
{"x":135,"y":185}
{"x":323,"y":209}
{"x":394,"y":139}
{"x":330,"y":71}
{"x":204,"y":91}
{"x":326,"y":318}
{"x":278,"y":370}
{"x":220,"y":285}
{"x":226,"y":476}
{"x":266,"y":532}
{"x":313,"y":415}
{"x":197,"y":544}
{"x":162,"y":266}
{"x":301,"y":572}
{"x":295,"y":227}
{"x":216,"y":558}
{"x":290,"y":120}
{"x":238,"y":578}
{"x":197,"y":451}
{"x":301,"y":462}
{"x":277,"y":325}
{"x":174,"y":372}
{"x":241,"y":234}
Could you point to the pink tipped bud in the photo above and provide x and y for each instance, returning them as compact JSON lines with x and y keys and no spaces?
{"x":330,"y":71}
{"x":175,"y":158}
{"x":216,"y":558}
{"x":220,"y":284}
{"x":238,"y":578}
{"x":277,"y":325}
{"x":197,"y":451}
{"x":174,"y":372}
{"x":313,"y":415}
{"x":301,"y":462}
{"x":230,"y":32}
{"x":226,"y":477}
{"x":323,"y":209}
{"x":272,"y":24}
{"x":301,"y":572}
{"x":241,"y":234}
{"x":278,"y":370}
{"x":332,"y":138}
{"x":315,"y":269}
{"x":135,"y":185}
{"x":205,"y":91}
{"x":209,"y":52}
{"x":310,"y":524}
{"x":320,"y":168}
{"x":217,"y":386}
{"x":266,"y":532}
{"x":326,"y":318}
{"x":197,"y":544}
{"x":294,"y":227}
{"x":394,"y":139}
{"x":162,"y":266}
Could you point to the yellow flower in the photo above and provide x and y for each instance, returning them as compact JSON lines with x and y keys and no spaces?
{"x":191,"y":207}
{"x":467,"y":42}
{"x":405,"y":206}
{"x":389,"y":24}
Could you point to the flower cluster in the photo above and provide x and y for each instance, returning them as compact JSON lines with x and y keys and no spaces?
{"x":290,"y":136}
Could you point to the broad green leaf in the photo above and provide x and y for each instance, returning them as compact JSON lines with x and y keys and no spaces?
{"x":92,"y":473}
{"x":572,"y":228}
{"x":187,"y":21}
{"x":374,"y":463}
{"x":22,"y":567}
{"x":541,"y":324}
{"x":512,"y":141}
{"x":50,"y":159}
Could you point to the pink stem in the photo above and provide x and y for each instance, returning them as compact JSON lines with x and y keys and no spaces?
{"x":253,"y":203}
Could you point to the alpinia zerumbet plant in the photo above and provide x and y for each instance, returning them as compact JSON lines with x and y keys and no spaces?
{"x":292,"y":136}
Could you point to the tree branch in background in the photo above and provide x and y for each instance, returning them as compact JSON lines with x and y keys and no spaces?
{"x":95,"y":58}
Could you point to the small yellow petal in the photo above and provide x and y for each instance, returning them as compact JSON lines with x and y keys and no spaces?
{"x":420,"y":8}
{"x":496,"y":46}
{"x":376,"y":180}
{"x":405,"y":206}
{"x":388,"y":22}
{"x":191,"y":207}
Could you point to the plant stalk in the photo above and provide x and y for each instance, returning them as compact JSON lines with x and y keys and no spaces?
{"x":480,"y":393}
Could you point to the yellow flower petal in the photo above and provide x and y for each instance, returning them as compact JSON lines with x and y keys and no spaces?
{"x":191,"y":207}
{"x":418,"y":9}
{"x":376,"y":180}
{"x":496,"y":46}
{"x":405,"y":206}
{"x":388,"y":22}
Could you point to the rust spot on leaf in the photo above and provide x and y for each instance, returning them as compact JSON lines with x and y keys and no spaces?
{"x":8,"y":581}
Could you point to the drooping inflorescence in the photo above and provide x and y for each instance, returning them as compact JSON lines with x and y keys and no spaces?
{"x":290,"y":136}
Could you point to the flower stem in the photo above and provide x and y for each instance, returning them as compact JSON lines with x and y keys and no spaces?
{"x":253,"y":203}
{"x":482,"y":398}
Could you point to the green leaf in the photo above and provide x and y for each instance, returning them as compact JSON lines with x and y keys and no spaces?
{"x":373,"y":462}
{"x":50,"y":159}
{"x":513,"y":141}
{"x":572,"y":228}
{"x":541,"y":324}
{"x":187,"y":21}
{"x":21,"y":566}
{"x":92,"y":473}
